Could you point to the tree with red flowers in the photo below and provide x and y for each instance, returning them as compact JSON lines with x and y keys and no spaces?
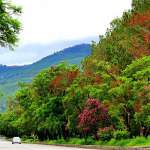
{"x":92,"y":117}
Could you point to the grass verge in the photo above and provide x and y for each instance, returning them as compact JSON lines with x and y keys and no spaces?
{"x":134,"y":142}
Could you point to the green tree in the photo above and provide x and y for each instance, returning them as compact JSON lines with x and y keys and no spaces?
{"x":9,"y":25}
{"x":132,"y":95}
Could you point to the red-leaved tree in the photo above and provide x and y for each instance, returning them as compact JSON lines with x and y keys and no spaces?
{"x":93,"y":116}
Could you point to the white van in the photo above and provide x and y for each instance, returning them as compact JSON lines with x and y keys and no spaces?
{"x":16,"y":140}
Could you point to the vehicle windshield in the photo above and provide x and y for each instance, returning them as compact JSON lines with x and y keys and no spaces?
{"x":16,"y":138}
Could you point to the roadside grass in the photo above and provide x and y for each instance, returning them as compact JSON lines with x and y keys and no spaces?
{"x":72,"y":141}
{"x":137,"y":141}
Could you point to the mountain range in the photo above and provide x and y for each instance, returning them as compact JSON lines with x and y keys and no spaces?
{"x":11,"y":75}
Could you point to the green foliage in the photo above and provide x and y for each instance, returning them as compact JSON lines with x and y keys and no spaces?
{"x":72,"y":141}
{"x":120,"y":134}
{"x":143,"y":118}
{"x":138,"y":68}
{"x":140,"y":5}
{"x":105,"y":134}
{"x":131,"y":96}
{"x":138,"y":141}
{"x":9,"y":25}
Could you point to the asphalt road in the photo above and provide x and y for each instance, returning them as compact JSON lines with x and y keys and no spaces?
{"x":7,"y":145}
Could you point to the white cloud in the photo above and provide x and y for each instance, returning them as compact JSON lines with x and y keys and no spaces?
{"x":51,"y":22}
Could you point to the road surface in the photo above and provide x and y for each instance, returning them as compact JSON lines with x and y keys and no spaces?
{"x":7,"y":145}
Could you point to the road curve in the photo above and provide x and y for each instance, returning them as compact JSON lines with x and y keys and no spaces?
{"x":7,"y":145}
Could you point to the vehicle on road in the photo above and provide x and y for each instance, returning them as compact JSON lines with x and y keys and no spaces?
{"x":16,"y":140}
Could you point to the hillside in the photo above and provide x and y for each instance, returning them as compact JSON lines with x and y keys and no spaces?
{"x":11,"y":75}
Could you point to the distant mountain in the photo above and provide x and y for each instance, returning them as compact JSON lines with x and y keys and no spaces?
{"x":28,"y":53}
{"x":11,"y":75}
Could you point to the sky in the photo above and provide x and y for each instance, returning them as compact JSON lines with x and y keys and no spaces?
{"x":51,"y":25}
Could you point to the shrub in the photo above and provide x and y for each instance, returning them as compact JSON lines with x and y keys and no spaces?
{"x":106,"y":133}
{"x":120,"y":134}
{"x":93,"y":114}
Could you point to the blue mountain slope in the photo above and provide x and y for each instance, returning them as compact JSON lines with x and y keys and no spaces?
{"x":11,"y":75}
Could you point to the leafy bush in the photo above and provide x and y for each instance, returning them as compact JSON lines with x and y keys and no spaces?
{"x":29,"y":139}
{"x":106,"y":133}
{"x":120,"y":134}
{"x":93,"y":114}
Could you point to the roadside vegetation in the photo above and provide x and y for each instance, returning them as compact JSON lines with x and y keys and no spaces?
{"x":106,"y":101}
{"x":134,"y":142}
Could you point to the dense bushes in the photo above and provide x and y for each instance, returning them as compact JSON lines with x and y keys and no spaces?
{"x":119,"y":134}
{"x":105,"y":134}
